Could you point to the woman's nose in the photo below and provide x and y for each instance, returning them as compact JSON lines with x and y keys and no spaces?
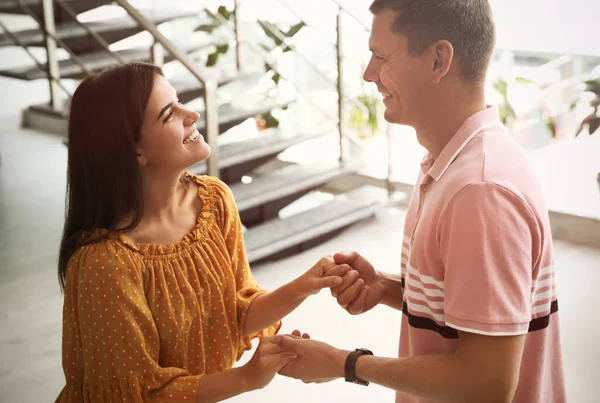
{"x":191,"y":116}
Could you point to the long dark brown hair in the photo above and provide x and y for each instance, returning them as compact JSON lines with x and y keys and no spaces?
{"x":103,"y":176}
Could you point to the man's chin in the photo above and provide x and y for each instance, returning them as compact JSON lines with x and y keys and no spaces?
{"x":392,"y":117}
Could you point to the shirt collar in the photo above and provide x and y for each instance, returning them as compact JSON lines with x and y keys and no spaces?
{"x":473,"y":125}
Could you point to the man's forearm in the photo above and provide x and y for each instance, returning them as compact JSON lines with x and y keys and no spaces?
{"x":270,"y":308}
{"x":439,"y":377}
{"x":393,"y":290}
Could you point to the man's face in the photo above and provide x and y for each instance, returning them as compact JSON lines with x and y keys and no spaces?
{"x":401,"y":78}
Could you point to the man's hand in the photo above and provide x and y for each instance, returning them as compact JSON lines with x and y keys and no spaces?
{"x":317,"y":362}
{"x":267,"y":360}
{"x":326,"y":273}
{"x":362,"y":288}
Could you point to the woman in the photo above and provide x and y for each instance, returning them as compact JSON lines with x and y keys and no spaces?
{"x":159,"y":298}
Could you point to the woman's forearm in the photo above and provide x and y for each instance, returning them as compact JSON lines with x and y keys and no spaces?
{"x":223,"y":385}
{"x":268,"y":309}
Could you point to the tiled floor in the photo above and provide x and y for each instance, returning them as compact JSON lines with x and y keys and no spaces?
{"x":31,"y":209}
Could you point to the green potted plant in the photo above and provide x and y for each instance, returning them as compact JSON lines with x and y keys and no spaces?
{"x":508,"y":115}
{"x":278,"y":46}
{"x":365,"y":111}
{"x":590,"y":124}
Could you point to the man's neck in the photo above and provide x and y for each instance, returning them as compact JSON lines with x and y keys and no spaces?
{"x":445,"y":115}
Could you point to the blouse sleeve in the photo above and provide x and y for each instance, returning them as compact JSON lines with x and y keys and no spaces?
{"x":246,"y":286}
{"x":116,"y":339}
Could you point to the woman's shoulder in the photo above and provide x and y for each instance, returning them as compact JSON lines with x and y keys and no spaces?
{"x":215,"y":187}
{"x":101,"y":248}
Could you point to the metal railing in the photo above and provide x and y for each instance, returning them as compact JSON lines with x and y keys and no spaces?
{"x":210,"y":85}
{"x":211,"y":110}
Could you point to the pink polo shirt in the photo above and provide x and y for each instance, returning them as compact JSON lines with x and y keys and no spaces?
{"x":477,"y":256}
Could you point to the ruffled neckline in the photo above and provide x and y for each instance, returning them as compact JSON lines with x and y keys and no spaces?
{"x":196,"y":234}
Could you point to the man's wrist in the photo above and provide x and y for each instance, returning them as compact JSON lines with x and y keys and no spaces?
{"x":339,"y":360}
{"x":392,"y":286}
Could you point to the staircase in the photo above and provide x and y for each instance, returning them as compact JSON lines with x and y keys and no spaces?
{"x":270,"y":193}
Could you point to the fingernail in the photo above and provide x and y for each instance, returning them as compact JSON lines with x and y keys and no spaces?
{"x":337,"y":281}
{"x":360,"y":281}
{"x":354,"y":273}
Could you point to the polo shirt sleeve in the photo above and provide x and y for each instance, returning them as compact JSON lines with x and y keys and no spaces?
{"x":489,"y":239}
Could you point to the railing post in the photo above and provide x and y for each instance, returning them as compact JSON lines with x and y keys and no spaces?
{"x":340,"y":81}
{"x":212,"y":126}
{"x":237,"y":24}
{"x":157,"y":54}
{"x":50,"y":42}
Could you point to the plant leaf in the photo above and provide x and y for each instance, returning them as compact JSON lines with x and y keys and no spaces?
{"x":223,"y":48}
{"x":551,"y":126}
{"x":269,"y":29}
{"x":593,"y":86}
{"x":594,"y":125}
{"x":502,"y":87}
{"x":212,"y":59}
{"x":573,"y":105}
{"x":224,"y":12}
{"x":211,"y":15}
{"x":276,"y":77}
{"x":294,"y":29}
{"x":523,"y":80}
{"x":206,"y":28}
{"x":270,"y":120}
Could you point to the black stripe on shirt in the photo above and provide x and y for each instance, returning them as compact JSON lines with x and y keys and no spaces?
{"x":447,"y":332}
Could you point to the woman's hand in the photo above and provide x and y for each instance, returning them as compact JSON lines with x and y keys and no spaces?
{"x":268,"y":359}
{"x":326,"y":273}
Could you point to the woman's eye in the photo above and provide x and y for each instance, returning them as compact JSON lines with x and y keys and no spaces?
{"x":169,"y":117}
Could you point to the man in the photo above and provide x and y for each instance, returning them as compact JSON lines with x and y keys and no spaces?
{"x":476,"y":288}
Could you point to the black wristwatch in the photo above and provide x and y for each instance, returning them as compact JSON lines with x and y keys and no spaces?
{"x":350,"y":366}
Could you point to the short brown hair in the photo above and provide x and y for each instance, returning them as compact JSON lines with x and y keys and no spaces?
{"x":467,"y":24}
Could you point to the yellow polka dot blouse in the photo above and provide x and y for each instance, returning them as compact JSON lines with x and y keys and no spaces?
{"x":144,"y":323}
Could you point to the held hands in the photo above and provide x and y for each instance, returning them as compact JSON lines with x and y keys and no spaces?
{"x":326,"y":273}
{"x":316,"y":362}
{"x":362,"y":288}
{"x":268,"y":359}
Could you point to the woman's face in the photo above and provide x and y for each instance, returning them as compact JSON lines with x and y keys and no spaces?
{"x":169,"y":138}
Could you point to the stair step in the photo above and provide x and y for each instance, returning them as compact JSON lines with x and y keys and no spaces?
{"x":231,"y":115}
{"x":97,"y":61}
{"x":286,"y":181}
{"x":43,"y":117}
{"x":189,"y":88}
{"x":269,"y":142}
{"x":79,"y":6}
{"x":277,"y":235}
{"x":76,"y":37}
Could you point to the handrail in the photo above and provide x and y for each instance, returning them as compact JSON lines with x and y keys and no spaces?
{"x":210,"y":85}
{"x":90,"y":31}
{"x":74,"y":56}
{"x":292,"y":46}
{"x":351,"y":14}
{"x":20,"y":43}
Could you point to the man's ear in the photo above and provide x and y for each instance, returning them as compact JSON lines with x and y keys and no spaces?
{"x":443,"y":56}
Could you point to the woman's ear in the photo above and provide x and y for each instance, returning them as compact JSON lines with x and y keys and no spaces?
{"x":142,"y":160}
